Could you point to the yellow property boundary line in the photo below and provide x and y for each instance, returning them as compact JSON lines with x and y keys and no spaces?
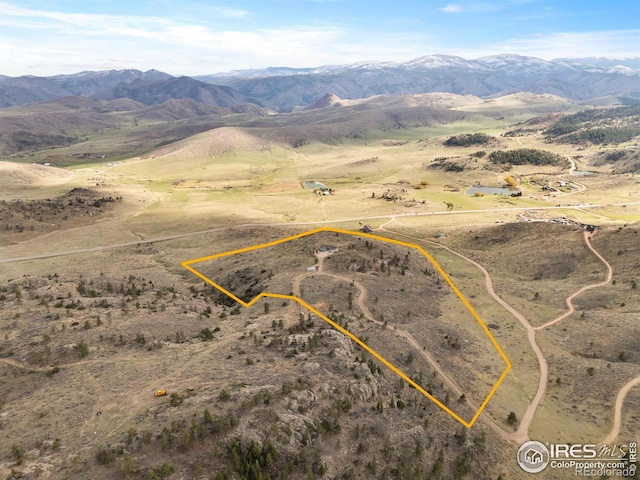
{"x":187,"y":264}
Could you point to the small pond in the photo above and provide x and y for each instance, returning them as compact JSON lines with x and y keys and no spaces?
{"x":314,"y":184}
{"x":581,"y":172}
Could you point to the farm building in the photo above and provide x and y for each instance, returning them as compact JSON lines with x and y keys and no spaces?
{"x":327,"y":249}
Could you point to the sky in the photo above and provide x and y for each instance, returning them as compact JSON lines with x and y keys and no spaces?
{"x":191,"y":37}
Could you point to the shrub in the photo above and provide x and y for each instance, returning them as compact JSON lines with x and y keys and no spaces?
{"x":206,"y":334}
{"x":17,"y":451}
{"x":166,"y":470}
{"x":104,"y":456}
{"x":175,"y":399}
{"x":83,"y":349}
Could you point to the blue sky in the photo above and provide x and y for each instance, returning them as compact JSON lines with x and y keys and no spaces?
{"x":191,"y":37}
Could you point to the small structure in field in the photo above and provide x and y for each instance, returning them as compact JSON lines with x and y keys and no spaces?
{"x":328,"y":249}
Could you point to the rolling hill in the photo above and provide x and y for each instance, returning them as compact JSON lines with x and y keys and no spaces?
{"x":29,"y":89}
{"x":149,"y":88}
{"x":96,"y":129}
{"x":70,"y":120}
{"x":154,"y":93}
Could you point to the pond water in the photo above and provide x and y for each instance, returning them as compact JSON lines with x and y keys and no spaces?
{"x":491,"y":190}
{"x":314,"y":184}
{"x":581,"y":172}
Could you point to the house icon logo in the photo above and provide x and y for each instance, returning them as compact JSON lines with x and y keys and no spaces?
{"x":533,"y":457}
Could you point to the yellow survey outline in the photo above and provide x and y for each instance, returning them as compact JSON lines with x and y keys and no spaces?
{"x":187,"y":265}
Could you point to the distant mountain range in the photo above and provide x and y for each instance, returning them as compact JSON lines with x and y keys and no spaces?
{"x":577,"y":79}
{"x":284,"y":89}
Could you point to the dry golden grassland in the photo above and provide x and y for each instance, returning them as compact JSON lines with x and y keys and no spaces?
{"x":396,"y":288}
{"x":116,"y":338}
{"x":123,"y":321}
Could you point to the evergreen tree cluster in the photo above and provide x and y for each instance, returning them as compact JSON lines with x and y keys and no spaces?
{"x":597,"y":126}
{"x":467,"y":139}
{"x":252,"y":461}
{"x":603,"y":136}
{"x":525,"y":156}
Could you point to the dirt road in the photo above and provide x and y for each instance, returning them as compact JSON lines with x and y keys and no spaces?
{"x":573,"y":165}
{"x":570,"y":307}
{"x":522,"y":433}
{"x":617,"y":413}
{"x":166,"y":238}
{"x":361,"y":303}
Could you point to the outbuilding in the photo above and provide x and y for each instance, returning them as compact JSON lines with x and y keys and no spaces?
{"x":327,"y":249}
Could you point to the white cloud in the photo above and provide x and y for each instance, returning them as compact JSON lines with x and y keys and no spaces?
{"x":453,"y":8}
{"x":47,"y":43}
{"x":612,"y":44}
{"x":90,"y":41}
{"x":229,"y":12}
{"x":479,"y":6}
